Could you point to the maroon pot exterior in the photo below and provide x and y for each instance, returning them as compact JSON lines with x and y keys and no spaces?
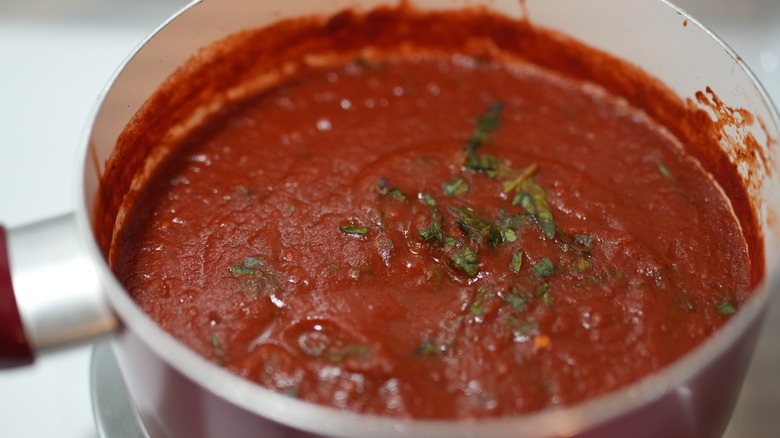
{"x":171,"y":405}
{"x":700,"y":407}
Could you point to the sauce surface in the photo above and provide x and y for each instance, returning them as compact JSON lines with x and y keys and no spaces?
{"x":434,"y":236}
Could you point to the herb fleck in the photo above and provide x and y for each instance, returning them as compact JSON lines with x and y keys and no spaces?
{"x":665,"y":172}
{"x":514,"y":184}
{"x":350,"y":351}
{"x":383,"y":188}
{"x":434,"y":231}
{"x":257,"y":276}
{"x":543,"y":268}
{"x":216,"y":345}
{"x":543,"y":292}
{"x":726,"y":308}
{"x":466,"y":260}
{"x":456,"y":187}
{"x":476,"y":309}
{"x":354,"y":229}
{"x":516,"y":301}
{"x":582,"y":264}
{"x":583,"y":240}
{"x":477,"y":228}
{"x":427,"y":199}
{"x":486,"y":124}
{"x":450,"y":243}
{"x":428,"y":348}
{"x":533,"y":199}
{"x":517,"y":261}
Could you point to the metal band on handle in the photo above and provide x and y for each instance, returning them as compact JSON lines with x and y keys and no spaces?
{"x":58,"y":292}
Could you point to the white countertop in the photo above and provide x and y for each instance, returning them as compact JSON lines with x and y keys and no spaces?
{"x":55,"y":58}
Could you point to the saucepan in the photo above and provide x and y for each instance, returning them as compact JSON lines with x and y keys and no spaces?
{"x":56,"y":288}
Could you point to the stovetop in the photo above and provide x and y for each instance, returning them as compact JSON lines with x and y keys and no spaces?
{"x":55,"y":58}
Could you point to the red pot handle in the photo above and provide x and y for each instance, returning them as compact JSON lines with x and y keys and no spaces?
{"x":14,"y":348}
{"x":51,"y":294}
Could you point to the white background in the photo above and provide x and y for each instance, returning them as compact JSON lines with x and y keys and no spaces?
{"x":55,"y":58}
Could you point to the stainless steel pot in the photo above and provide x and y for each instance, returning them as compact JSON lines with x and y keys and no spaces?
{"x":56,"y":288}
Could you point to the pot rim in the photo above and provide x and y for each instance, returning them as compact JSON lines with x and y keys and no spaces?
{"x":564,"y":420}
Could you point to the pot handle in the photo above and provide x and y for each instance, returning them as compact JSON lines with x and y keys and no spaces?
{"x":50,"y":291}
{"x":14,"y":349}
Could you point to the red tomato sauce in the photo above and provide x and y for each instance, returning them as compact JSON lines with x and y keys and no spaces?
{"x":437,"y":235}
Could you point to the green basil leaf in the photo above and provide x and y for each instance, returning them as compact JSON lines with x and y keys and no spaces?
{"x":355,"y":230}
{"x":456,"y":187}
{"x":544,"y":268}
{"x":517,"y":261}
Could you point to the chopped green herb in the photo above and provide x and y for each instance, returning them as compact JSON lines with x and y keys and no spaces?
{"x":466,"y":260}
{"x":257,"y":275}
{"x":509,"y":235}
{"x":489,"y":121}
{"x":492,"y":166}
{"x":250,"y":266}
{"x":577,"y":243}
{"x":517,"y":261}
{"x":321,"y":345}
{"x":396,"y":193}
{"x":516,"y":301}
{"x":582,"y":264}
{"x":509,"y":225}
{"x":583,"y":240}
{"x":427,"y":199}
{"x":239,"y":270}
{"x":216,"y":345}
{"x":351,"y":351}
{"x":543,"y":292}
{"x":450,"y":243}
{"x":485,"y":125}
{"x":478,"y":229}
{"x":476,"y":309}
{"x":428,"y":348}
{"x":383,"y":188}
{"x":456,"y":187}
{"x":512,"y":185}
{"x":355,"y":230}
{"x":665,"y":172}
{"x":726,"y":308}
{"x":253,"y":262}
{"x":434,"y":231}
{"x":543,"y":268}
{"x":533,"y":199}
{"x":494,"y":236}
